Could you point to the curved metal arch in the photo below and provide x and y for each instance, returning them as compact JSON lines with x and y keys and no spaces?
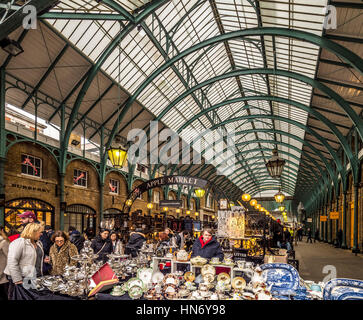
{"x":248,"y":183}
{"x":95,"y":68}
{"x":315,"y":113}
{"x":347,"y":55}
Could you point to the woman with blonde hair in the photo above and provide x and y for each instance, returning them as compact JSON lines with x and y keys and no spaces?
{"x":4,"y":248}
{"x":25,"y":256}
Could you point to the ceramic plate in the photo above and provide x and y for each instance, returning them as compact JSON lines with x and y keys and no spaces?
{"x":224,"y":277}
{"x":136,"y":292}
{"x":145,"y":274}
{"x":238,"y":283}
{"x":135,"y":282}
{"x":189,"y":276}
{"x":208,"y":269}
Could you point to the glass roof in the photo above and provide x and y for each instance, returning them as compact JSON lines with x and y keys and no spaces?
{"x":182,"y":24}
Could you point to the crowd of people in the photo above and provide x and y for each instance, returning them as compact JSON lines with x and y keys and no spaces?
{"x":38,"y":250}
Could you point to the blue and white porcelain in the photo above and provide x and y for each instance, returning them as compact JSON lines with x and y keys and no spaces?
{"x":343,"y":289}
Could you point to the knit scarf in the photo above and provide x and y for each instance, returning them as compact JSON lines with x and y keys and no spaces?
{"x":202,"y":242}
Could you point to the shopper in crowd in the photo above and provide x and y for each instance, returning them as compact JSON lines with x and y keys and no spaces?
{"x":101,"y":245}
{"x":89,"y":234}
{"x":136,"y":240}
{"x":182,"y":238}
{"x":61,"y":253}
{"x":25,"y":256}
{"x":164,"y":241}
{"x":4,"y":248}
{"x":287,"y":239}
{"x":172,"y":238}
{"x":340,"y":238}
{"x":277,"y":238}
{"x":316,"y":235}
{"x":309,"y":235}
{"x":117,"y":246}
{"x":25,"y":218}
{"x":46,"y":239}
{"x":300,"y":234}
{"x":76,"y":238}
{"x":207,"y":246}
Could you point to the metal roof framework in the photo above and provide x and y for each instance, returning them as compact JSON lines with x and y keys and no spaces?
{"x":200,"y":65}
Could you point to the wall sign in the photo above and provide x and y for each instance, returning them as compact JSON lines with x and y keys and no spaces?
{"x":171,"y":203}
{"x":333,"y":215}
{"x":323,"y":218}
{"x":20,"y":186}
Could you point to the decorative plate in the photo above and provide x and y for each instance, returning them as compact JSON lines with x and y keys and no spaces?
{"x":171,"y":279}
{"x":224,"y":277}
{"x":136,"y":292}
{"x":135,"y":282}
{"x":208,"y":277}
{"x":189,"y":276}
{"x":198,"y":260}
{"x":238,"y":283}
{"x":145,"y":274}
{"x":157,"y":277}
{"x":208,"y":269}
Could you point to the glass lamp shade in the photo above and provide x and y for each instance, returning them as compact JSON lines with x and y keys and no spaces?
{"x":165,"y":208}
{"x":117,"y":157}
{"x":213,"y":217}
{"x":279,"y":197}
{"x":246,"y":197}
{"x":253,"y":202}
{"x":177,"y":210}
{"x":199,"y":192}
{"x":284,"y":213}
{"x":257,"y":206}
{"x":149,"y":205}
{"x":197,"y":214}
{"x":188,"y":212}
{"x":275,"y":165}
{"x":281,"y":208}
{"x":128,"y":202}
{"x":231,"y":203}
{"x":267,"y":213}
{"x":262,"y":209}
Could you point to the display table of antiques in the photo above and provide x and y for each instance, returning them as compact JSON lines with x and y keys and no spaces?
{"x":125,"y":278}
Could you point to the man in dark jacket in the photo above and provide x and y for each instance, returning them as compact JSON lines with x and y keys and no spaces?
{"x":135,"y":243}
{"x":102,"y":245}
{"x":76,"y":238}
{"x":207,"y":246}
{"x":182,"y":238}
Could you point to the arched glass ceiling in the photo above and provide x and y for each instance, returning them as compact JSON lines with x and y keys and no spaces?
{"x":179,"y":25}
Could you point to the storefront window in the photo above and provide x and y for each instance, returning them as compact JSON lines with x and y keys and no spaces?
{"x":80,"y":216}
{"x":114,"y":186}
{"x":80,"y":178}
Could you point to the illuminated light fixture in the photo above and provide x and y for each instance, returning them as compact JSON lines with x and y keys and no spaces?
{"x":117,"y":157}
{"x":213,"y":216}
{"x":187,"y":212}
{"x":257,"y":206}
{"x":12,"y":47}
{"x":199,"y":192}
{"x":275,"y":165}
{"x":267,"y":213}
{"x":129,"y":202}
{"x":197,"y":214}
{"x":231,"y":204}
{"x":165,"y":208}
{"x":253,"y":202}
{"x":246,"y":197}
{"x":149,"y":205}
{"x":281,"y":208}
{"x":177,"y":210}
{"x":279,"y":197}
{"x":262,"y":209}
{"x":284,"y":213}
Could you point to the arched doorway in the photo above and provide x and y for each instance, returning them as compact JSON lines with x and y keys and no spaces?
{"x":43,"y":211}
{"x":80,"y":216}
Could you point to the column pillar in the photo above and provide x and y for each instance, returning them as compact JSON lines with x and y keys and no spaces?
{"x":344,"y":242}
{"x":102,"y":187}
{"x":355,"y":224}
{"x":2,"y":146}
{"x":61,"y":200}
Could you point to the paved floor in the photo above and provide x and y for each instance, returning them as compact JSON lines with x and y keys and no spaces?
{"x":314,"y":257}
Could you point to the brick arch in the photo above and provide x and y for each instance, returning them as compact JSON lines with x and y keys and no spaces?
{"x":173,"y":194}
{"x":82,"y":164}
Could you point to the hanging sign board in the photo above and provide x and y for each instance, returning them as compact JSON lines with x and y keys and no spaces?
{"x":323,"y":218}
{"x":171,"y":203}
{"x":309,"y":220}
{"x":334,"y":215}
{"x":223,"y":204}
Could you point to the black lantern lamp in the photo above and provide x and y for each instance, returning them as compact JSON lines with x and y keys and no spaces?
{"x":275,"y":165}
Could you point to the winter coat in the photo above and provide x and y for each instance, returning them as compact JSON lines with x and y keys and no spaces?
{"x":77,"y":239}
{"x":4,"y":248}
{"x":118,"y":247}
{"x":210,"y":249}
{"x":135,"y":243}
{"x":22,"y":257}
{"x":59,"y":259}
{"x":46,"y":241}
{"x":102,"y":248}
